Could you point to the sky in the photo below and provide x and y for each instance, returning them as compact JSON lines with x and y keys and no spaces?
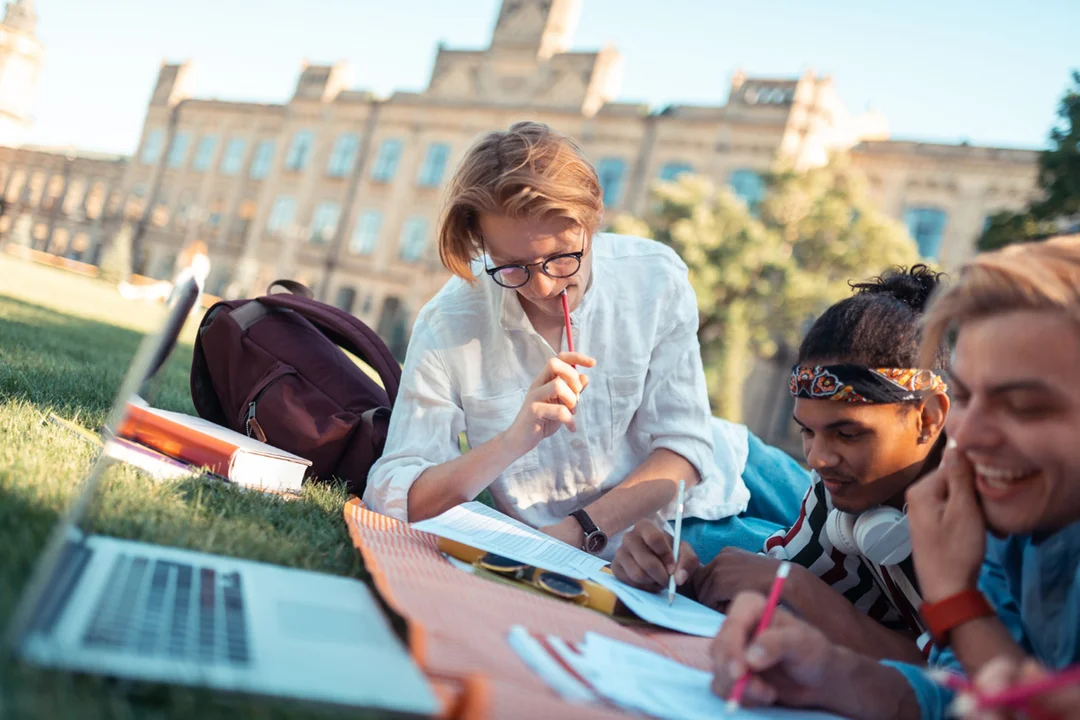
{"x":985,"y":71}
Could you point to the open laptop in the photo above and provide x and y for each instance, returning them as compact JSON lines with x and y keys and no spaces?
{"x":141,"y":611}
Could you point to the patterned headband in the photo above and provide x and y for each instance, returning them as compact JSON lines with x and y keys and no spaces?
{"x":860,"y":384}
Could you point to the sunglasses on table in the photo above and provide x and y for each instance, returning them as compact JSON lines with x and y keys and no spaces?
{"x":546,"y":581}
{"x":558,"y":267}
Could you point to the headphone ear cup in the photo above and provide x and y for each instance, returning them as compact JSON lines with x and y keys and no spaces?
{"x":882,"y":536}
{"x":840,"y":529}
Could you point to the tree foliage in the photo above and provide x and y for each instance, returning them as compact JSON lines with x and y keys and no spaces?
{"x":1059,"y":180}
{"x":759,"y":278}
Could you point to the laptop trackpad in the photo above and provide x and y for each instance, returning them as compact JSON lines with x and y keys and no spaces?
{"x":327,"y":623}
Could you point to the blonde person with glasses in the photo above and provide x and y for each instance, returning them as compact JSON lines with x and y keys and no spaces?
{"x":579,"y":444}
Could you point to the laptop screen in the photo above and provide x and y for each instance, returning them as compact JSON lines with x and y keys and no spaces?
{"x":152,"y":353}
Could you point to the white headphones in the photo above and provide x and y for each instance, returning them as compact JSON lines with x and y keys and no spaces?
{"x":880,"y":534}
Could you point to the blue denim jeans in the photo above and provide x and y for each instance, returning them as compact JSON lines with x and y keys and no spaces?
{"x":777,"y":484}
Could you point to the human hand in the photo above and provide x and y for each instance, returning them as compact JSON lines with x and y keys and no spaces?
{"x":948,"y":530}
{"x":1004,"y":673}
{"x":734,"y":571}
{"x":568,"y":530}
{"x":646,"y":560}
{"x":791,"y":662}
{"x":550,"y":401}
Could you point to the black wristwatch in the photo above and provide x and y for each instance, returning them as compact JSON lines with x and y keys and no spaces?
{"x":595,"y":538}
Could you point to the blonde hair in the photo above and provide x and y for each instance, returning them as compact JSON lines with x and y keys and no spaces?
{"x":527,"y":172}
{"x":1042,"y":276}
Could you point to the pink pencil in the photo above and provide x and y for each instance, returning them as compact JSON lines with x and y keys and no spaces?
{"x":1020,"y":695}
{"x":766,"y":617}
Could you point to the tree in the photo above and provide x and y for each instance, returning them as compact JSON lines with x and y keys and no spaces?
{"x":1059,"y":180}
{"x":760,"y":278}
{"x":115,"y":264}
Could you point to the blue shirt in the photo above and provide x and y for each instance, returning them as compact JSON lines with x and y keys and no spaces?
{"x":1034,"y":584}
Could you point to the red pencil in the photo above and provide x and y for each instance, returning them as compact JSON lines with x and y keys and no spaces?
{"x":1022,"y":694}
{"x":766,"y":618}
{"x":566,"y":319}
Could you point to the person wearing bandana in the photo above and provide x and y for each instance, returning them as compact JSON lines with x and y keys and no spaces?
{"x":872,"y":424}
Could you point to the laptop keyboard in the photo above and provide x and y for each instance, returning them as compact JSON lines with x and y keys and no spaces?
{"x":169,"y":610}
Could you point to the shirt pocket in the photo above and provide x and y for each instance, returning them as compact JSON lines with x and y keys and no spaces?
{"x":486,"y":417}
{"x":625,"y":392}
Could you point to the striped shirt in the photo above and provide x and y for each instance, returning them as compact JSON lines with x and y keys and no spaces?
{"x":887,"y":593}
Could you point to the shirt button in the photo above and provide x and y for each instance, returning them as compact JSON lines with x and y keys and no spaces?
{"x":577,"y":444}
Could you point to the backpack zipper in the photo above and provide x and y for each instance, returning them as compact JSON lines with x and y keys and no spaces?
{"x":251,"y":424}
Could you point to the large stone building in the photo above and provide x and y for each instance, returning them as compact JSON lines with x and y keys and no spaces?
{"x":340,"y":189}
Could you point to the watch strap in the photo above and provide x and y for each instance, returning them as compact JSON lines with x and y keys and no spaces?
{"x":585,"y":522}
{"x":945,"y":615}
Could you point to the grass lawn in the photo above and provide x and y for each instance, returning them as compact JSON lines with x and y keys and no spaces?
{"x":65,"y":342}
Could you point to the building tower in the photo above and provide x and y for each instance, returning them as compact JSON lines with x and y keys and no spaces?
{"x":21,"y":56}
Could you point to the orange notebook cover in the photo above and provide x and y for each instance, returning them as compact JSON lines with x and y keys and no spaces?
{"x":233,"y":456}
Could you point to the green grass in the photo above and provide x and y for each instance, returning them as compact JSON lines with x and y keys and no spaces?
{"x":65,"y":342}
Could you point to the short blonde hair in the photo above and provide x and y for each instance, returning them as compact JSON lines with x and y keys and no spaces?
{"x":1031,"y":276}
{"x":529,"y":171}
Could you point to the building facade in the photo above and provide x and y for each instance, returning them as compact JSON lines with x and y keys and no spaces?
{"x":340,"y":189}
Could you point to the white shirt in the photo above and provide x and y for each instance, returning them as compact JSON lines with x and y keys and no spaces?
{"x":474,"y":353}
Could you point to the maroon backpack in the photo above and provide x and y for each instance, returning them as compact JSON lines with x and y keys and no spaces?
{"x":273,"y":368}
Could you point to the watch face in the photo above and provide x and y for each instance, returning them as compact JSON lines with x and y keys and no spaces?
{"x":595,"y":542}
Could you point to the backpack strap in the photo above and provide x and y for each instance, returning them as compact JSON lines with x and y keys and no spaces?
{"x":291,"y":286}
{"x":347,"y":332}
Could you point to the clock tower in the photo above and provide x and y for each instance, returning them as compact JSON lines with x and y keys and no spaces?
{"x":539,"y":27}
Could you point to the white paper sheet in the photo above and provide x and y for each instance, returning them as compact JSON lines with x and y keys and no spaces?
{"x":479,"y":526}
{"x":684,"y":614}
{"x":638,"y":680}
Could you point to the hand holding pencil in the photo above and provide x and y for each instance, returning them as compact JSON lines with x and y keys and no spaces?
{"x":1007,"y":690}
{"x":785,"y":660}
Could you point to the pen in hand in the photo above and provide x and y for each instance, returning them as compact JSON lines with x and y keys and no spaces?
{"x":679,"y":503}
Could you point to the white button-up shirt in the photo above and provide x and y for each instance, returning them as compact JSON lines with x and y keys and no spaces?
{"x":474,"y":353}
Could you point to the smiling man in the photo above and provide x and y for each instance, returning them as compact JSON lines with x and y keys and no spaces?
{"x":995,"y":531}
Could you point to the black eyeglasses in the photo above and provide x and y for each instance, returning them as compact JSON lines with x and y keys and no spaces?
{"x":558,"y":267}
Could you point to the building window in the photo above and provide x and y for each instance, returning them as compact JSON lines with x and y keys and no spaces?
{"x":261,"y":160}
{"x":671,"y":171}
{"x":431,"y":172}
{"x":346,"y":298}
{"x":324,"y":222}
{"x":215,"y":213}
{"x":366,"y":235}
{"x":300,"y":150}
{"x":233,"y":159}
{"x":178,"y":151}
{"x":151,"y":151}
{"x":204,"y":153}
{"x":386,"y":161}
{"x":343,"y":155}
{"x":281,"y":215}
{"x":749,"y":187}
{"x":413,"y":238}
{"x":612,"y":174}
{"x":74,"y":197}
{"x":926,"y":225}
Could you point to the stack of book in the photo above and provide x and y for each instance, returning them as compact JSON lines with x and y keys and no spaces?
{"x":171,"y":445}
